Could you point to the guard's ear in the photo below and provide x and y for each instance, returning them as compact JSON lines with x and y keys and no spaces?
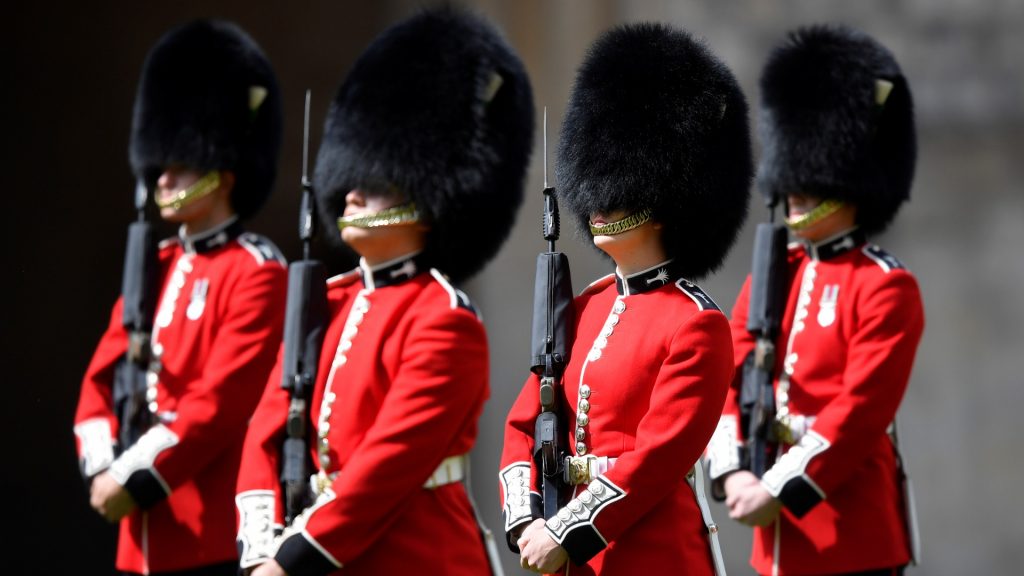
{"x":227,"y":182}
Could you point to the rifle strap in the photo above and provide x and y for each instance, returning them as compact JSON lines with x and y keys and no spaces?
{"x":696,"y":481}
{"x":490,"y":547}
{"x":909,"y":505}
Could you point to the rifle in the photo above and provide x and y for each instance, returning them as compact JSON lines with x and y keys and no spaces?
{"x":304,"y":324}
{"x":767,"y":304}
{"x":550,"y":346}
{"x":139,"y":298}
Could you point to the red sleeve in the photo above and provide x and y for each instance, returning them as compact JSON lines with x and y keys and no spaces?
{"x":519,"y":477}
{"x":724,"y":450}
{"x":429,"y":413}
{"x":96,"y":425}
{"x":685,"y":404}
{"x":259,"y":500}
{"x":890,"y":321}
{"x":743,"y":341}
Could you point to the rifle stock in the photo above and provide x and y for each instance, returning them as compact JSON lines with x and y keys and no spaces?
{"x":550,"y":345}
{"x":139,"y":299}
{"x":767,"y":304}
{"x":305,"y":321}
{"x":552,"y":323}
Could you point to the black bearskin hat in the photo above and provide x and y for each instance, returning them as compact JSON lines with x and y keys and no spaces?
{"x":655,"y":121}
{"x":439,"y":107}
{"x":208,"y":99}
{"x":837,"y":121}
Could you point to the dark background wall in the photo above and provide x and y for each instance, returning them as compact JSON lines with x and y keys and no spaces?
{"x":75,"y":66}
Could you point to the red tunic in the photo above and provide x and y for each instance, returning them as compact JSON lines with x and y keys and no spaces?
{"x":852,"y":324}
{"x":218,"y":326}
{"x":404,"y":369}
{"x":648,"y":373}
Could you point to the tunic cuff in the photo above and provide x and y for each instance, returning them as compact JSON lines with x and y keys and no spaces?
{"x":799,"y":495}
{"x":146,"y":488}
{"x":581,"y":544}
{"x":256,"y":527}
{"x":573,"y":527}
{"x":536,"y":511}
{"x":788,"y":480}
{"x":135,"y":469}
{"x":724,"y":454}
{"x":300,"y":557}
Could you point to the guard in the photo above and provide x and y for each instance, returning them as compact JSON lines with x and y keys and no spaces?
{"x":839,"y":147}
{"x":204,"y":145}
{"x":654,"y":164}
{"x":421,"y":173}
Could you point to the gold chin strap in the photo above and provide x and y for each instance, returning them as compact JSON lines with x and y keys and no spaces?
{"x":202,"y":187}
{"x":808,"y":219}
{"x":618,"y":227}
{"x":394,"y":216}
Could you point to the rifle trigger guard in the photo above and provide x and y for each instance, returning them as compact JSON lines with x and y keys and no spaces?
{"x":547,"y":392}
{"x":764,"y":354}
{"x":138,"y":348}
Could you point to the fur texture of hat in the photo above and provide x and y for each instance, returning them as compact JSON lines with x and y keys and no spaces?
{"x":208,"y":99}
{"x":655,"y":121}
{"x":823,"y":130}
{"x":439,"y":106}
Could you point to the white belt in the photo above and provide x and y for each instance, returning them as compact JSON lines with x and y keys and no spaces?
{"x":451,"y":470}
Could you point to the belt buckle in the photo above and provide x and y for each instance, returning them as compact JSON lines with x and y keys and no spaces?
{"x":784,"y":430}
{"x":577,"y":469}
{"x":323,"y":482}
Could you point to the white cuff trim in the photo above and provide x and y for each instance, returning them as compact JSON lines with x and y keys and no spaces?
{"x":793,"y":464}
{"x":256,"y":526}
{"x":97,"y":445}
{"x":515,"y":488}
{"x":724,"y":448}
{"x":583,"y":509}
{"x":142,"y":455}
